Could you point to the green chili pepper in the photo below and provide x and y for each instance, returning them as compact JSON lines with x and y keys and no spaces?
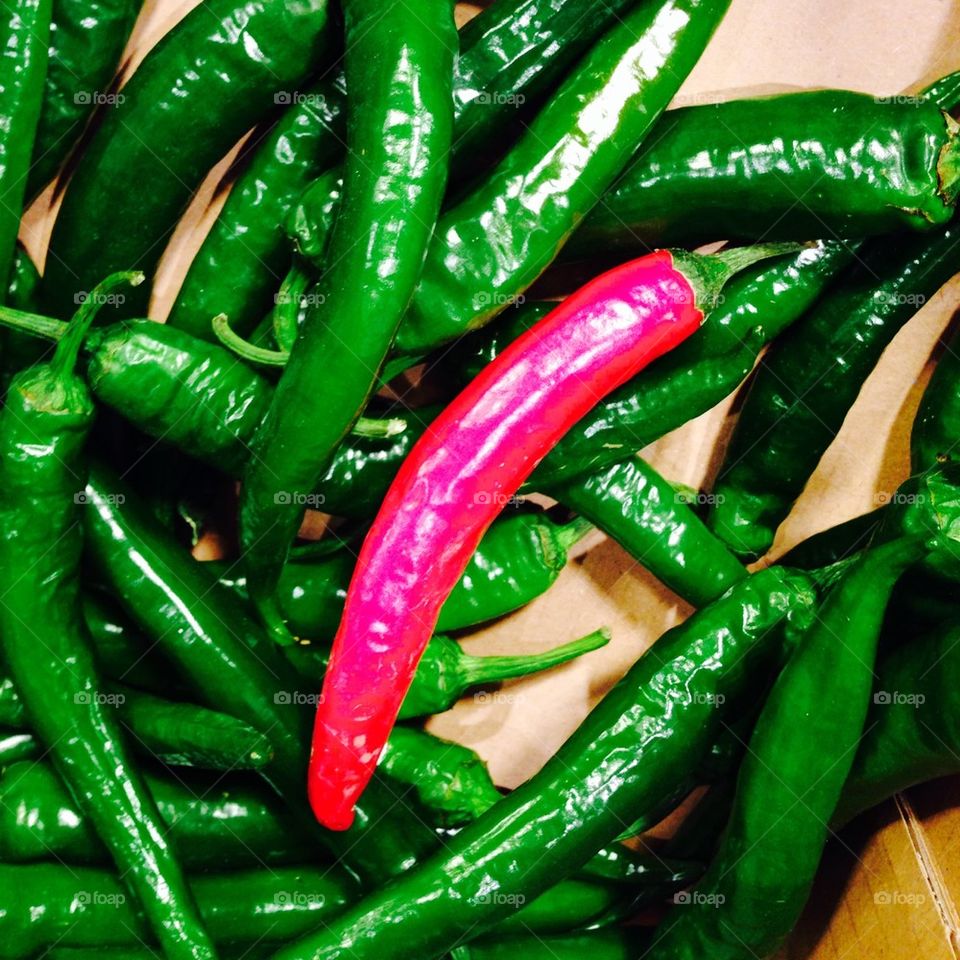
{"x":662,"y":716}
{"x":85,"y":907}
{"x":808,"y":382}
{"x":912,"y":733}
{"x":225,"y":658}
{"x":556,"y":172}
{"x":509,"y":54}
{"x":445,"y":673}
{"x":936,"y":429}
{"x":519,"y":558}
{"x":86,"y":42}
{"x":25,"y":35}
{"x":16,"y":745}
{"x":449,"y":778}
{"x":654,"y":523}
{"x":211,"y":821}
{"x":863,"y":165}
{"x":43,"y":429}
{"x":215,"y":74}
{"x":792,"y":775}
{"x":177,"y":733}
{"x":399,"y":69}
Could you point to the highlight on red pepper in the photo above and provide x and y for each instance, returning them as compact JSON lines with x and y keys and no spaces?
{"x":459,"y":476}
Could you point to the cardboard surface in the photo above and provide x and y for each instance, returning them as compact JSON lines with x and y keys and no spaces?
{"x":889,"y":885}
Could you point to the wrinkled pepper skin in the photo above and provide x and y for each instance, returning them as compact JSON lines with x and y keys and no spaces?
{"x":399,"y":118}
{"x":213,"y":822}
{"x":792,"y":775}
{"x":570,"y":154}
{"x":24,"y":40}
{"x":243,"y":258}
{"x":806,"y":385}
{"x":793,"y":166}
{"x":43,"y":430}
{"x":656,"y":525}
{"x":84,"y":907}
{"x":235,"y":55}
{"x":660,"y":717}
{"x":228,"y":662}
{"x":87,"y":38}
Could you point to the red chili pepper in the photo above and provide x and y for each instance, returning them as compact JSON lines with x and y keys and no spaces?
{"x":460,"y":474}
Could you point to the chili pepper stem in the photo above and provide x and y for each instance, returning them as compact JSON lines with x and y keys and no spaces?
{"x":68,"y":348}
{"x":573,"y":532}
{"x":32,"y":323}
{"x":379,"y":429}
{"x":243,"y":348}
{"x":478,"y":671}
{"x":707,"y":274}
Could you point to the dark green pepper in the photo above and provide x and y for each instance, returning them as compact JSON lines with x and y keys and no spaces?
{"x":655,"y":524}
{"x":399,"y":119}
{"x":610,"y":944}
{"x":574,"y":148}
{"x":87,"y":38}
{"x":224,"y":52}
{"x":790,"y":781}
{"x":230,"y":665}
{"x":661,"y":717}
{"x":43,"y":429}
{"x":807,"y":383}
{"x":25,"y":38}
{"x":213,"y":822}
{"x":85,"y":907}
{"x":793,"y":166}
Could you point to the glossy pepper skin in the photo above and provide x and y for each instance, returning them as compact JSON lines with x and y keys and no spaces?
{"x":509,"y":53}
{"x":86,"y":42}
{"x":654,"y":523}
{"x":792,"y":775}
{"x":222,"y":654}
{"x":863,"y":165}
{"x":913,"y":728}
{"x":25,"y":36}
{"x":570,"y":154}
{"x":622,"y":759}
{"x":399,"y":70}
{"x":242,"y":259}
{"x":234,"y":55}
{"x":213,"y":822}
{"x":807,"y":383}
{"x":606,"y":944}
{"x":179,"y":734}
{"x":85,"y":907}
{"x":458,"y":478}
{"x":43,"y":429}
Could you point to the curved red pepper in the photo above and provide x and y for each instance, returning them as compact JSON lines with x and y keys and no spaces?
{"x":457,"y":479}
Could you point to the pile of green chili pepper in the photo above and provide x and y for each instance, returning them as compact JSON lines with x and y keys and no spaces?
{"x":242,"y":553}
